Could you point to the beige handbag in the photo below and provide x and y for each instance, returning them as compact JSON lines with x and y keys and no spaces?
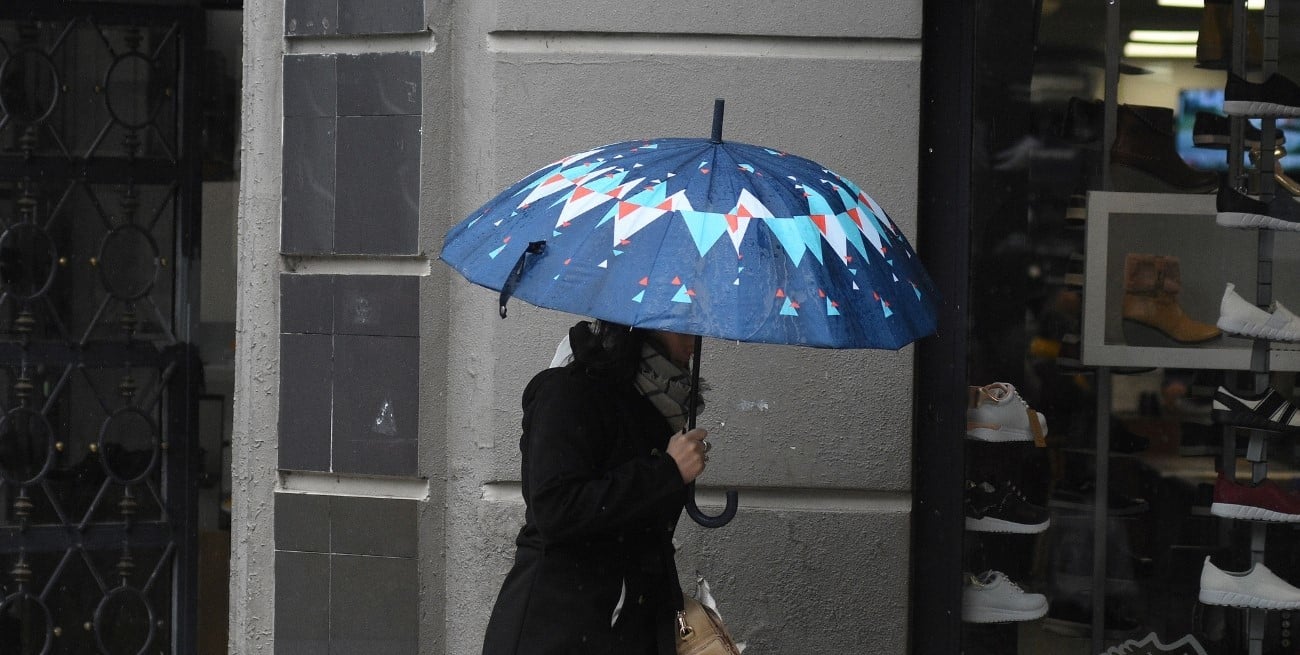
{"x":700,"y":631}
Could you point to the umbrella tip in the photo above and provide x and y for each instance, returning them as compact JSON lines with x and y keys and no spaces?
{"x":717,"y":120}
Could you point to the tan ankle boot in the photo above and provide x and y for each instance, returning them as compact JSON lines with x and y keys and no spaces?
{"x":1151,"y":287}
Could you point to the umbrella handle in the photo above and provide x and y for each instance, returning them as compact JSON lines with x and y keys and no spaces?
{"x":707,"y":521}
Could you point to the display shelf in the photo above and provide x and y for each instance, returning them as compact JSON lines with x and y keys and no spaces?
{"x":1182,"y":226}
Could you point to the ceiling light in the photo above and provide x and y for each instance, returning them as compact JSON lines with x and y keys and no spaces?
{"x":1163,"y":36}
{"x":1197,"y":4}
{"x":1160,"y":50}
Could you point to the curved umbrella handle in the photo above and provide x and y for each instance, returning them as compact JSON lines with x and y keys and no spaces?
{"x":707,"y":521}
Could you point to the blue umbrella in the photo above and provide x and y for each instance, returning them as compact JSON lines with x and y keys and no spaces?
{"x":702,"y":237}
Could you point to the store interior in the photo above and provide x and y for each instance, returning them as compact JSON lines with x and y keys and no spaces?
{"x":1113,"y":476}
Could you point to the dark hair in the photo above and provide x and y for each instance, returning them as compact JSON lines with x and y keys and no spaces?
{"x":606,"y":348}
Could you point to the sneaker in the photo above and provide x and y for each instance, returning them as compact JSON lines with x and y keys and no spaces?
{"x":1081,"y":497}
{"x":1265,"y":411}
{"x":1236,"y":316}
{"x":1259,"y":588}
{"x":1254,"y":502}
{"x":1214,"y":131}
{"x":1236,"y":209}
{"x":1002,"y":509}
{"x":992,"y":598}
{"x":1151,"y":645}
{"x":997,"y":413}
{"x":1275,"y":96}
{"x":1076,"y":210}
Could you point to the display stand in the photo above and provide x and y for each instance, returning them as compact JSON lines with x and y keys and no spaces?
{"x":1257,"y":450}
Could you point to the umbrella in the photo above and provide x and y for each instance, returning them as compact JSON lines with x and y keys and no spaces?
{"x":702,"y":237}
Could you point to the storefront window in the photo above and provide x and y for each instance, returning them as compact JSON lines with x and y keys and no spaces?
{"x":1130,"y":474}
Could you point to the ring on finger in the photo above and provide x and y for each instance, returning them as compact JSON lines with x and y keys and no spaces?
{"x":707,"y":446}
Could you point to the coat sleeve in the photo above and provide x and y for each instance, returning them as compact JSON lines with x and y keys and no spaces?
{"x":570,"y":496}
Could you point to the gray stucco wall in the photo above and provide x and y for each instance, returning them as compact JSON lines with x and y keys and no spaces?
{"x":819,"y":442}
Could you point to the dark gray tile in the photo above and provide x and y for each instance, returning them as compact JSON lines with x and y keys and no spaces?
{"x":307,"y":303}
{"x":302,"y":603}
{"x":379,"y":84}
{"x":310,"y":85}
{"x":311,"y":17}
{"x":305,"y":371}
{"x":376,"y":404}
{"x":372,"y":526}
{"x":377,"y":209}
{"x":381,"y":16}
{"x":374,"y":606}
{"x":307,"y":206}
{"x":302,"y":522}
{"x":383,"y":305}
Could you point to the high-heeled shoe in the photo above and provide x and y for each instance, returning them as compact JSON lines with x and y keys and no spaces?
{"x":1284,"y":181}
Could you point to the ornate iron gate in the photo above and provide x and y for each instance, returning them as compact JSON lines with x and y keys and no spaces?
{"x":99,"y":183}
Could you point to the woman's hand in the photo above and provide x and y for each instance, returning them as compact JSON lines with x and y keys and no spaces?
{"x":689,"y":450}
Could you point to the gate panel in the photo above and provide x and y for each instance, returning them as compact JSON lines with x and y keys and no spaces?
{"x":98,"y":383}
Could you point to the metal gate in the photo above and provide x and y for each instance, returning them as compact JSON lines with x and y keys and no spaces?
{"x":99,"y":182}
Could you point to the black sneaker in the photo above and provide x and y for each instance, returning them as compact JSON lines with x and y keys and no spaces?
{"x":1236,"y":209}
{"x":1081,"y":496}
{"x":1002,"y":509}
{"x":1275,"y":96}
{"x":1265,"y":411}
{"x":1214,"y":131}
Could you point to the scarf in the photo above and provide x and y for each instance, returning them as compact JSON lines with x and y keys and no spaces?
{"x":667,"y":386}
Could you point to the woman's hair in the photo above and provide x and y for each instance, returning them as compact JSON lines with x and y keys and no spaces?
{"x":606,"y":348}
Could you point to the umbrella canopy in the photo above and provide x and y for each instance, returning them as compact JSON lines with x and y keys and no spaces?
{"x":703,"y":237}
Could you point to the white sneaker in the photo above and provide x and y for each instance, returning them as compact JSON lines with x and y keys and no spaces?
{"x":997,"y":413}
{"x":1239,"y":317}
{"x":1259,"y":588}
{"x":992,"y":598}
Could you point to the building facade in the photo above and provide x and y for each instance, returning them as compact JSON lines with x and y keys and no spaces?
{"x":375,"y":460}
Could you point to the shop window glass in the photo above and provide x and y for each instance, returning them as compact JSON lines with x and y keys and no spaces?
{"x":1132,"y":465}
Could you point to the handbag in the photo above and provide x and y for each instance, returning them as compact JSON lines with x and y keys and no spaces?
{"x":700,"y":631}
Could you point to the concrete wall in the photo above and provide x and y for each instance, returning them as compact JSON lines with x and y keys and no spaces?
{"x":818,"y":441}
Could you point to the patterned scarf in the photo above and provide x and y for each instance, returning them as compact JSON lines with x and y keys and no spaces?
{"x":667,"y":386}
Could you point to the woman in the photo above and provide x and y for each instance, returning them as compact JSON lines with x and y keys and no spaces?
{"x":604,"y":479}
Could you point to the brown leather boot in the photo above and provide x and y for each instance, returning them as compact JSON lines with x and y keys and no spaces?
{"x":1145,"y":159}
{"x":1151,"y":287}
{"x":1214,"y":43}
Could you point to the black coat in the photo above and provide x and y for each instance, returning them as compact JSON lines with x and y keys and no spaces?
{"x":603,"y":498}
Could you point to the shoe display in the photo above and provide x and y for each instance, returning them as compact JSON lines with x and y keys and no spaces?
{"x":1151,"y":287}
{"x":1214,"y":131}
{"x":1266,"y":411}
{"x":997,"y":413}
{"x":1144,"y":157}
{"x":1236,"y":209}
{"x":1214,"y":41}
{"x":1002,"y":509}
{"x":1259,"y":588}
{"x":1236,"y":316}
{"x":1081,"y":497}
{"x":1276,"y":96}
{"x":1254,"y":502}
{"x":991,"y":597}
